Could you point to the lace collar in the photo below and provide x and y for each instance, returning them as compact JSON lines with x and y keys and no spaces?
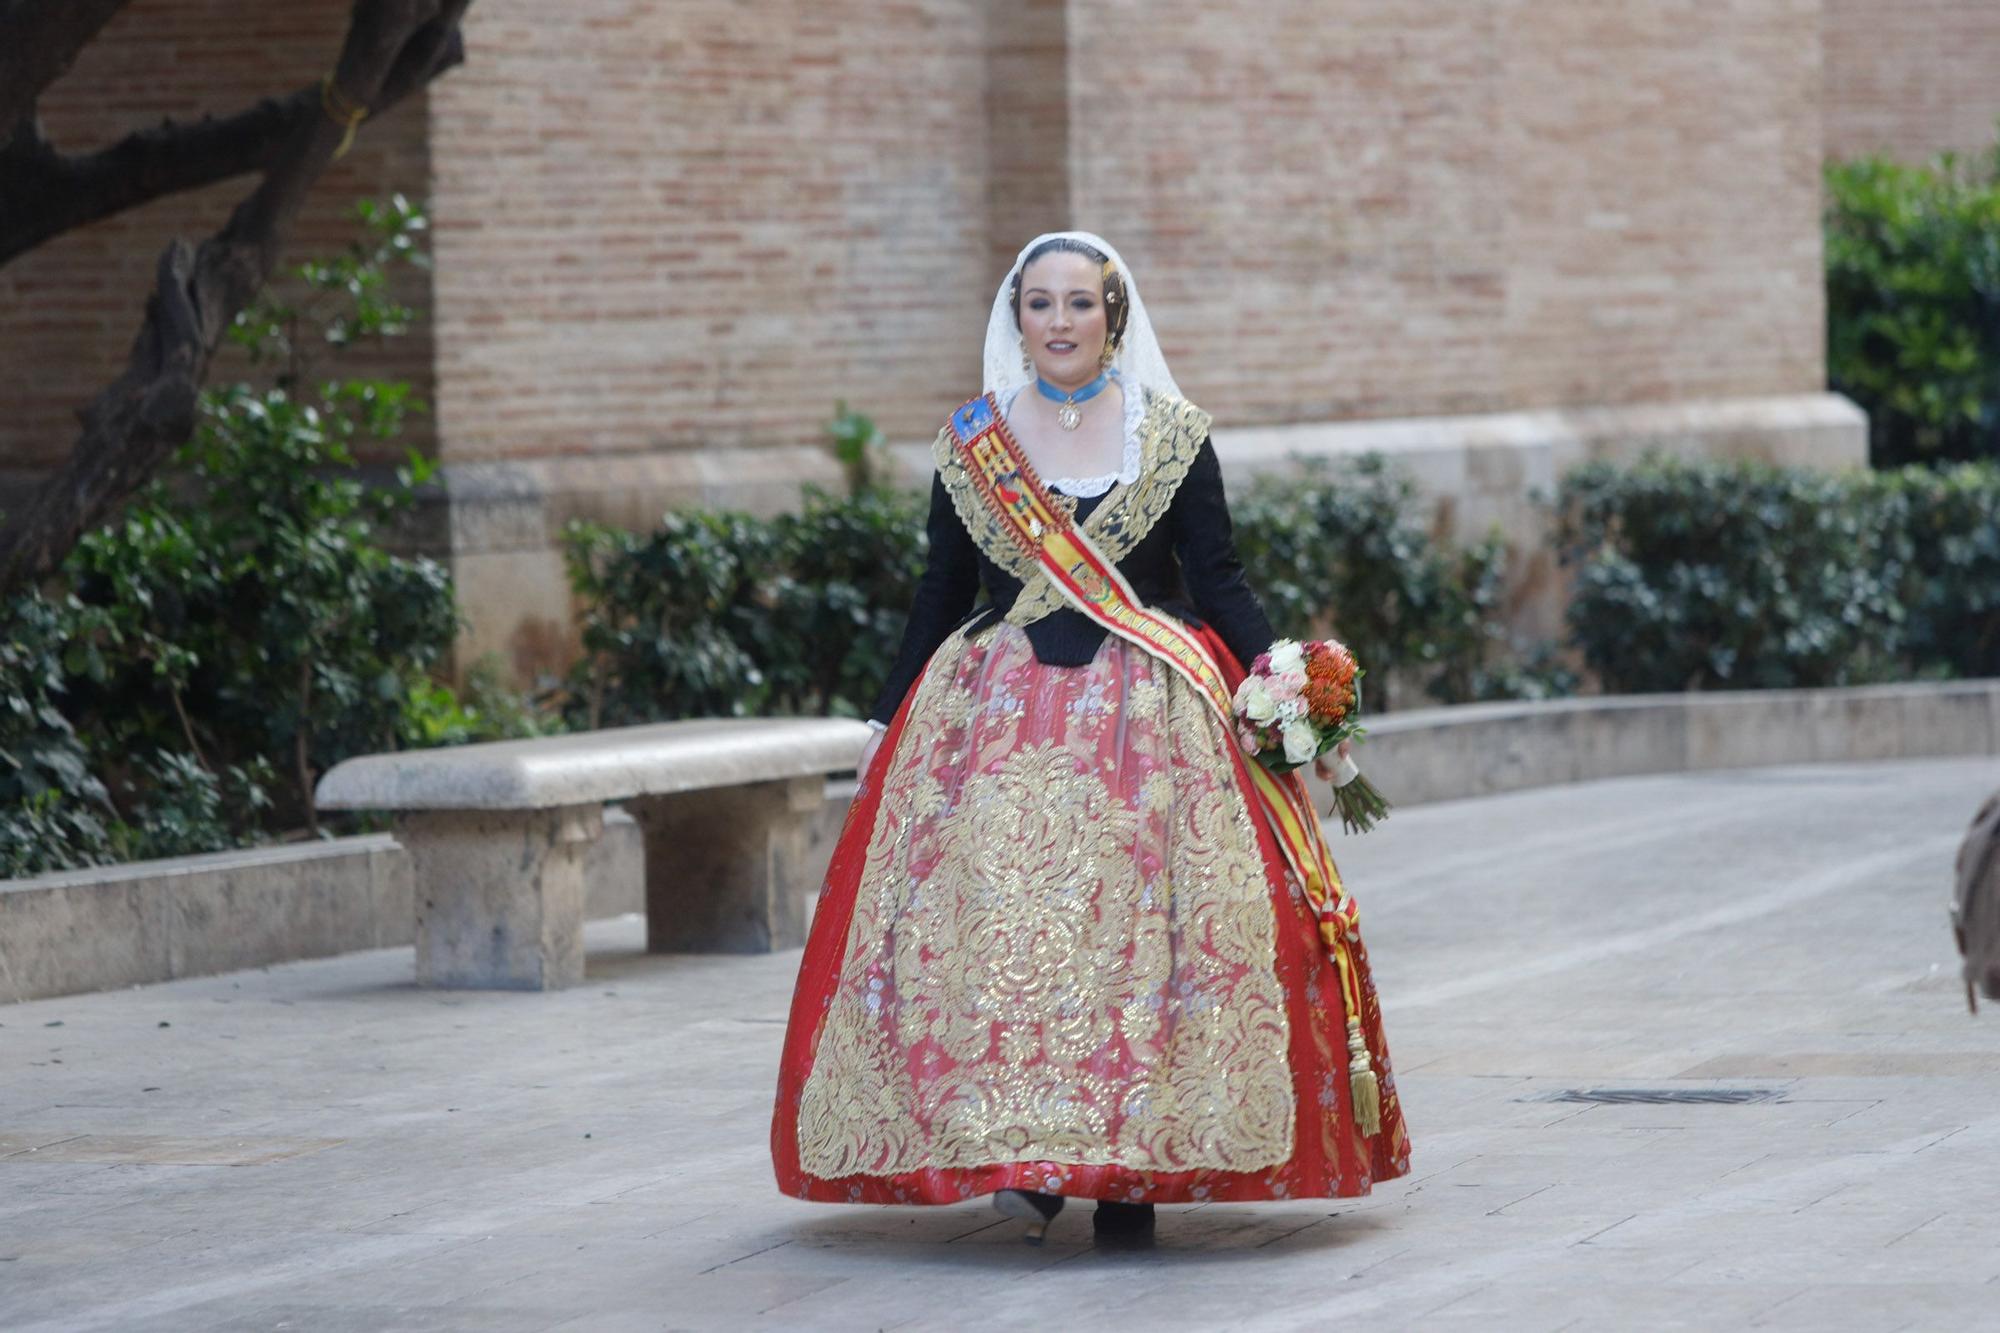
{"x":1170,"y":434}
{"x":1130,"y":459}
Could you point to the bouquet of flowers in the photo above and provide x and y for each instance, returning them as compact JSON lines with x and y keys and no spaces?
{"x":1299,"y":701}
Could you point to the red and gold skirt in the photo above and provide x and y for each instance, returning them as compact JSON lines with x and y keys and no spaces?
{"x":1058,"y":950}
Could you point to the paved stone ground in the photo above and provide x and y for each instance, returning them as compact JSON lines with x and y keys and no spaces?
{"x":321,"y":1146}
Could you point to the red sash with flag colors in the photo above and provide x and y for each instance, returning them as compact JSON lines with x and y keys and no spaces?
{"x":1001,"y":474}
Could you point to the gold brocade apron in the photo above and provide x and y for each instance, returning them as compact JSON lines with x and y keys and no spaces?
{"x":1093,"y":585}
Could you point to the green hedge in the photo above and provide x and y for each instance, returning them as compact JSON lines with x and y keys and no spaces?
{"x":1347,"y":555}
{"x":1913,"y":304}
{"x":720,"y":613}
{"x":1951,"y":585}
{"x":55,"y":813}
{"x":1742,"y":575}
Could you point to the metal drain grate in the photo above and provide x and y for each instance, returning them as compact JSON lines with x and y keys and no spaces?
{"x":1666,"y":1096}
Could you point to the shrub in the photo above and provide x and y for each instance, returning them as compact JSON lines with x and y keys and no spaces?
{"x":1913,"y":304}
{"x":839,"y":599}
{"x":181,"y":806}
{"x":857,"y":446}
{"x":1742,"y":575}
{"x":1950,"y":518}
{"x":55,"y":814}
{"x":664,"y":618}
{"x":486,"y":708}
{"x":239,"y":627}
{"x":250,"y":617}
{"x":263,"y":620}
{"x":719,"y":613}
{"x":1346,"y":555}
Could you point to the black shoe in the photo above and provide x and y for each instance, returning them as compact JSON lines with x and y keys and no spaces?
{"x":1123,"y":1223}
{"x":1037,"y":1210}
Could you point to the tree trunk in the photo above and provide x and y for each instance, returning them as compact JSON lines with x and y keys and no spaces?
{"x":135,"y":424}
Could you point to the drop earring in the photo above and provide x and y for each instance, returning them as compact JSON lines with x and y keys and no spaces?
{"x":1027,"y":361}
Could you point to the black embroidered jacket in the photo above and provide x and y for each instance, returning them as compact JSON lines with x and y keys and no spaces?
{"x":1168,"y":532}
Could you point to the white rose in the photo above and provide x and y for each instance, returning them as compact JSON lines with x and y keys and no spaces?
{"x":1301,"y":742}
{"x":1288,"y":656}
{"x":1258,"y":705}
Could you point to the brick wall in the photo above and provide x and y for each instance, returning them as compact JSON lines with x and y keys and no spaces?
{"x":1912,"y":78}
{"x":1028,"y":126}
{"x":674,"y":226}
{"x":68,"y":311}
{"x":1341,"y":209}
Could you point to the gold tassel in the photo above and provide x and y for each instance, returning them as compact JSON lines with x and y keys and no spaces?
{"x":1362,"y":1082}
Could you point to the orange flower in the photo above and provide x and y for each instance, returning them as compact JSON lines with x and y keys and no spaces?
{"x":1330,"y":672}
{"x":1328,"y":659}
{"x":1327,"y":701}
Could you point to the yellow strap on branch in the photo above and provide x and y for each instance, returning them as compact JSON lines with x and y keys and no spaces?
{"x":341,"y":111}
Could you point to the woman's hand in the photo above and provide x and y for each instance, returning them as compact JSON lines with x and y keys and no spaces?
{"x":1325,"y":770}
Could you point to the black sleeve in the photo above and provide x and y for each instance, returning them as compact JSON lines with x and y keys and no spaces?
{"x":944,"y":594}
{"x":1206,"y":547}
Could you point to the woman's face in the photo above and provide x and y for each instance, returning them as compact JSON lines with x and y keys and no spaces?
{"x":1062,"y":317}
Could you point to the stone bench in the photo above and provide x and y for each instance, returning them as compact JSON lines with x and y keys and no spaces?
{"x":496,"y":834}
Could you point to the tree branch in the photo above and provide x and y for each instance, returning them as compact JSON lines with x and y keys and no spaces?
{"x":44,"y":193}
{"x":39,"y":40}
{"x":136,"y":423}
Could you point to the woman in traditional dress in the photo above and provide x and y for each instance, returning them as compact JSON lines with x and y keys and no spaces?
{"x":1065,"y":949}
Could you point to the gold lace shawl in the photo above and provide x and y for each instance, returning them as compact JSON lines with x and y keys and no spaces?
{"x":1170,"y":434}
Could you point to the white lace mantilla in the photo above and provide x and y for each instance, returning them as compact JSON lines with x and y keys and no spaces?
{"x":1083,"y":488}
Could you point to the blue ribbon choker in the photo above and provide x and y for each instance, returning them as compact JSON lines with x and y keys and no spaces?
{"x":1069,"y":409}
{"x":1083,"y":395}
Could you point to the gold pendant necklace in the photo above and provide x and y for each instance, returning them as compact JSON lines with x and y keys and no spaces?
{"x":1069,"y":416}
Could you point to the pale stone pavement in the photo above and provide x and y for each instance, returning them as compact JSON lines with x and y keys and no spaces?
{"x":321,"y":1146}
